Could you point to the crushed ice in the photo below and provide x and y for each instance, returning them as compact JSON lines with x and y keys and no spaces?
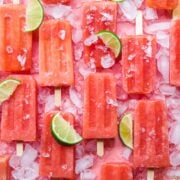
{"x":107,"y":61}
{"x":75,"y":97}
{"x":90,"y":40}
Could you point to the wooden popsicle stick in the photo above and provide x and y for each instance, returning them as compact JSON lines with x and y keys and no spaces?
{"x":100,"y":148}
{"x":150,"y":174}
{"x":19,"y":149}
{"x":57,"y":97}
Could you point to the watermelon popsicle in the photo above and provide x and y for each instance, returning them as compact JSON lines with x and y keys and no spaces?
{"x":100,"y":115}
{"x":18,"y":120}
{"x":151,"y":147}
{"x":116,"y":171}
{"x":162,"y":4}
{"x":97,"y":16}
{"x":55,"y":55}
{"x":175,"y":53}
{"x":138,"y":61}
{"x":56,"y":161}
{"x":4,"y":167}
{"x":16,"y":45}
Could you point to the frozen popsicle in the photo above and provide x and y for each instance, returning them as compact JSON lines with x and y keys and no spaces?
{"x":55,"y":54}
{"x":4,"y":167}
{"x":175,"y":53}
{"x":162,"y":4}
{"x":18,"y":121}
{"x":116,"y":171}
{"x":16,"y":45}
{"x":97,"y":16}
{"x":100,"y":116}
{"x":55,"y":1}
{"x":55,"y":160}
{"x":139,"y":61}
{"x":151,"y":147}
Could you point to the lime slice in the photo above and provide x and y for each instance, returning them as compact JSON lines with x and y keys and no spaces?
{"x":111,"y":40}
{"x":7,"y":88}
{"x":63,"y":132}
{"x":34,"y":15}
{"x":126,"y":130}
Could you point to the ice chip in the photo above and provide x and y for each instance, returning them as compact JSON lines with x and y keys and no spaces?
{"x":75,"y":97}
{"x":174,"y":134}
{"x":87,"y":175}
{"x":150,"y":14}
{"x":15,"y":161}
{"x":175,"y":158}
{"x":107,"y":61}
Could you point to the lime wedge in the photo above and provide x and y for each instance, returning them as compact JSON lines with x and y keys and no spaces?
{"x":126,"y":130}
{"x":63,"y":132}
{"x":7,"y":88}
{"x":111,"y":40}
{"x":34,"y":15}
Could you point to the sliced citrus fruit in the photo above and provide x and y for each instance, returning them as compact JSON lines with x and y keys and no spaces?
{"x":126,"y":130}
{"x":34,"y":15}
{"x":7,"y":88}
{"x":63,"y":132}
{"x":111,"y":40}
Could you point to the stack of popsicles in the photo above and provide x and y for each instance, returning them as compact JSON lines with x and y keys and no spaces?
{"x":16,"y":45}
{"x":97,"y":16}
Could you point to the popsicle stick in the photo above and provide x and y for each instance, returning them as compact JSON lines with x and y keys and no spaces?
{"x":139,"y":23}
{"x":150,"y":174}
{"x":19,"y":149}
{"x":176,"y":12}
{"x":57,"y":97}
{"x":100,"y":148}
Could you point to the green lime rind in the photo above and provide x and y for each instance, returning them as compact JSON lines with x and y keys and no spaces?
{"x":111,"y":40}
{"x":34,"y":15}
{"x":7,"y":88}
{"x":63,"y":132}
{"x":126,"y":130}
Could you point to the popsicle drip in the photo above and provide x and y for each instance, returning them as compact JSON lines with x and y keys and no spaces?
{"x":151,"y":138}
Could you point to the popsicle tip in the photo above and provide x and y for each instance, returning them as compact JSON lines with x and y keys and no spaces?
{"x":100,"y":148}
{"x":150,"y":174}
{"x":139,"y":23}
{"x":19,"y":149}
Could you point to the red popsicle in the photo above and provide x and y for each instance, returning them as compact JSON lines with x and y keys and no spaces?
{"x":55,"y":160}
{"x":139,"y":64}
{"x":18,"y":120}
{"x":175,"y":53}
{"x":116,"y":171}
{"x":151,"y":146}
{"x":16,"y":45}
{"x":98,"y":16}
{"x":162,"y":4}
{"x":100,"y":117}
{"x":55,"y":54}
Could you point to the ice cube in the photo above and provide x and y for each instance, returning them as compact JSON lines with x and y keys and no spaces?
{"x":174,"y":134}
{"x":107,"y":61}
{"x":163,"y":39}
{"x":87,"y":175}
{"x":75,"y":97}
{"x":15,"y":161}
{"x":77,"y":35}
{"x":138,"y":3}
{"x":175,"y":158}
{"x":90,"y":40}
{"x":49,"y":103}
{"x":150,"y":14}
{"x":166,"y":89}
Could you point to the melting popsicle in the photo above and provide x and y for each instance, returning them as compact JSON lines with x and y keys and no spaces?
{"x":138,"y":61}
{"x":16,"y":45}
{"x":162,"y":4}
{"x":97,"y":16}
{"x":18,"y":121}
{"x":56,"y":161}
{"x":175,"y":53}
{"x":151,"y":147}
{"x":4,"y":167}
{"x":100,"y":115}
{"x":116,"y":171}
